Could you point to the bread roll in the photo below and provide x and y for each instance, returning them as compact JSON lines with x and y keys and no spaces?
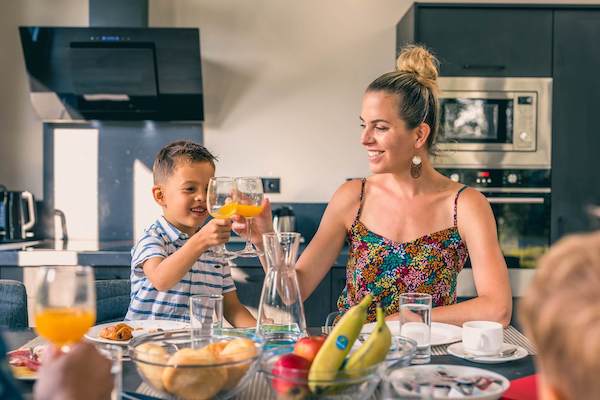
{"x":154,"y":353}
{"x":237,"y":350}
{"x":194,"y":383}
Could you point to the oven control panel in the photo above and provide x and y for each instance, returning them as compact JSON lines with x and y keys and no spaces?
{"x":498,"y":178}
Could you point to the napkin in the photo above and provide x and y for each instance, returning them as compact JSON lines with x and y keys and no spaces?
{"x":522,"y":389}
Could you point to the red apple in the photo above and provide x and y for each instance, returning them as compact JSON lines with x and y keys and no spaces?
{"x":309,"y":346}
{"x":291,"y":376}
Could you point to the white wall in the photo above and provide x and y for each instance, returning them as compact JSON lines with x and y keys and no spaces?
{"x":283,"y":82}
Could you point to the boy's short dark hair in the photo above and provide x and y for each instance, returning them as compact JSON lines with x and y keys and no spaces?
{"x":183,"y":150}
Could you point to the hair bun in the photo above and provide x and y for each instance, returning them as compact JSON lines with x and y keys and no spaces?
{"x":419,"y":61}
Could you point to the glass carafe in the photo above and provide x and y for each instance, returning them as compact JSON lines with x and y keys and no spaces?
{"x":281,"y":312}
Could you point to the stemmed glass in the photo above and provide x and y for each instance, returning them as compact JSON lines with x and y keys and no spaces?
{"x":65,"y":304}
{"x":221,"y":203}
{"x":250,"y":197}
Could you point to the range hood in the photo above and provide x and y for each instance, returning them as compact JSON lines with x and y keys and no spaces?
{"x":111,"y":73}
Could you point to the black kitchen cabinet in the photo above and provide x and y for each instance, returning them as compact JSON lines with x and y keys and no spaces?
{"x":249,"y":283}
{"x":318,"y":305}
{"x":482,"y":40}
{"x":575,"y":136}
{"x":338,"y":282}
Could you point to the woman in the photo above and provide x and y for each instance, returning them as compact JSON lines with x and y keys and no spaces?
{"x":410,"y":229}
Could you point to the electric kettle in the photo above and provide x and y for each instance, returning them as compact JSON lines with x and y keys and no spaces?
{"x":284,"y":219}
{"x":14,"y":208}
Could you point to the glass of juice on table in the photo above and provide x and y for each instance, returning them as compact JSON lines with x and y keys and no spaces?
{"x":65,"y":304}
{"x":249,"y":199}
{"x":221,"y":203}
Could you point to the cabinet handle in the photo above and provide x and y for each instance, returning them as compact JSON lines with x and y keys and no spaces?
{"x":483,"y":66}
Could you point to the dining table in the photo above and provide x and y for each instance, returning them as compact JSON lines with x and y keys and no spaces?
{"x":135,"y":389}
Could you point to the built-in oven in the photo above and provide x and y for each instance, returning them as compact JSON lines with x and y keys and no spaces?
{"x":494,"y":122}
{"x":520,"y":200}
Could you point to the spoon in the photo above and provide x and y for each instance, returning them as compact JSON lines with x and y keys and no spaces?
{"x":503,"y":354}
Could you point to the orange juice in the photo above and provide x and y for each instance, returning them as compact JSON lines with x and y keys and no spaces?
{"x":63,"y":326}
{"x":248,"y":211}
{"x":227,"y":211}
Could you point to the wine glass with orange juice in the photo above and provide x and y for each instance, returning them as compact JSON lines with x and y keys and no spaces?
{"x":221,"y":203}
{"x":65,"y":304}
{"x":249,"y":199}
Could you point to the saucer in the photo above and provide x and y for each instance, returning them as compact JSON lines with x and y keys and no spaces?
{"x":457,"y":350}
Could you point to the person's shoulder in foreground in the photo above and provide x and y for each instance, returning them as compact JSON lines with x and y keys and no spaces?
{"x":561,"y":315}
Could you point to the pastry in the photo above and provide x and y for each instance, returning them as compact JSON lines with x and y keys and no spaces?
{"x":152,"y":353}
{"x":120,"y":332}
{"x":241,"y":350}
{"x":194,"y":383}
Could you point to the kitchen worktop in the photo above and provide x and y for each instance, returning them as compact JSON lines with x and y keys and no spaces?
{"x":108,"y":253}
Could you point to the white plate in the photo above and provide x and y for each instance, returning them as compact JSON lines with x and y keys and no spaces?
{"x":457,"y":350}
{"x":140,"y":327}
{"x":427,"y":373}
{"x":440,"y":333}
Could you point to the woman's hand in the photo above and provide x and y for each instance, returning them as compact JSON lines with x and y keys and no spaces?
{"x":262,"y":223}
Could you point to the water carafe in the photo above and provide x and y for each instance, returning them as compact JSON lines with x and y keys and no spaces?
{"x":281,"y":317}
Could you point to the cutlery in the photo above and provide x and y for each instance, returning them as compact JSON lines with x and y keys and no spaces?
{"x":503,"y":354}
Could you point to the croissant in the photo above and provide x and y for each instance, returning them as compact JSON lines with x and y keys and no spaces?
{"x":120,"y":331}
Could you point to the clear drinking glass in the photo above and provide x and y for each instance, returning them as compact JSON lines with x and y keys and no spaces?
{"x":250,"y":197}
{"x":415,"y":323}
{"x":206,"y":315}
{"x":65,"y":304}
{"x":281,"y":317}
{"x":115,"y":354}
{"x":221,"y":203}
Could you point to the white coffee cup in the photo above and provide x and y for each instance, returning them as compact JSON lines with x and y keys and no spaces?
{"x":482,"y":338}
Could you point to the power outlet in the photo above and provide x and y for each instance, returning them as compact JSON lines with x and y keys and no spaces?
{"x":271,"y":185}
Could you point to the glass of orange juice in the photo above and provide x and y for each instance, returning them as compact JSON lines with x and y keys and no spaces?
{"x":65,"y":304}
{"x":249,"y":198}
{"x":221,"y":202}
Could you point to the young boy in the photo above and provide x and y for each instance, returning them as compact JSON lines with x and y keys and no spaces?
{"x":168,"y":263}
{"x":561,"y":315}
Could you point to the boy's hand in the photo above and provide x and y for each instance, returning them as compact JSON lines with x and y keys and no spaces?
{"x":214,"y":233}
{"x":262,"y":223}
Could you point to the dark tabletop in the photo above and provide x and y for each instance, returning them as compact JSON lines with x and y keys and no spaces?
{"x":131,"y":379}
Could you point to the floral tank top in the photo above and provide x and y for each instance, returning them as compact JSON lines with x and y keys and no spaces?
{"x":385,"y":268}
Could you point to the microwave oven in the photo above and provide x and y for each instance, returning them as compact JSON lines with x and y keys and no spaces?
{"x":494,"y":122}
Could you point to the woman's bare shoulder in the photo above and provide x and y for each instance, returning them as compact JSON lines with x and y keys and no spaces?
{"x":346,"y":198}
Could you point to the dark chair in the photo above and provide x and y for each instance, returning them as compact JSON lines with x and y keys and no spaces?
{"x":112,"y":299}
{"x":13,"y":304}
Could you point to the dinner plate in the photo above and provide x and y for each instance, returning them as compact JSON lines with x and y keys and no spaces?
{"x":457,"y":350}
{"x":140,"y":327}
{"x":442,"y":382}
{"x":440,"y":333}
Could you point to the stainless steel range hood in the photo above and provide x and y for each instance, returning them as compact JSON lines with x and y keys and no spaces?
{"x":113,"y":73}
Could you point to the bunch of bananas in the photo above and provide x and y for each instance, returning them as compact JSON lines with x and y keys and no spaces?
{"x":331,"y":358}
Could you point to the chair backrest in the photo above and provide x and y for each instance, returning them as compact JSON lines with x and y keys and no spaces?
{"x":112,"y":299}
{"x":13,"y":304}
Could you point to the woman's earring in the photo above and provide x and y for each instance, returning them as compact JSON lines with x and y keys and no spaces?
{"x":415,"y":167}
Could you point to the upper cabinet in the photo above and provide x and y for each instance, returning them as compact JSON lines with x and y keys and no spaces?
{"x":480,"y":40}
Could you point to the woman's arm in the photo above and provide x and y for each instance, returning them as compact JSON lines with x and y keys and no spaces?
{"x":235,"y":313}
{"x":320,"y":254}
{"x":477,"y":227}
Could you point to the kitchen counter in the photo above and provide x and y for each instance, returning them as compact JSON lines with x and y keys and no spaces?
{"x":112,"y":260}
{"x":99,"y":254}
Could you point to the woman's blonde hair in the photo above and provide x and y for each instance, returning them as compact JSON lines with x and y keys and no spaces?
{"x":561,"y":315}
{"x":415,"y":84}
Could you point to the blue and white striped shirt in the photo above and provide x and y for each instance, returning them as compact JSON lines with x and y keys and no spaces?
{"x":208,"y":275}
